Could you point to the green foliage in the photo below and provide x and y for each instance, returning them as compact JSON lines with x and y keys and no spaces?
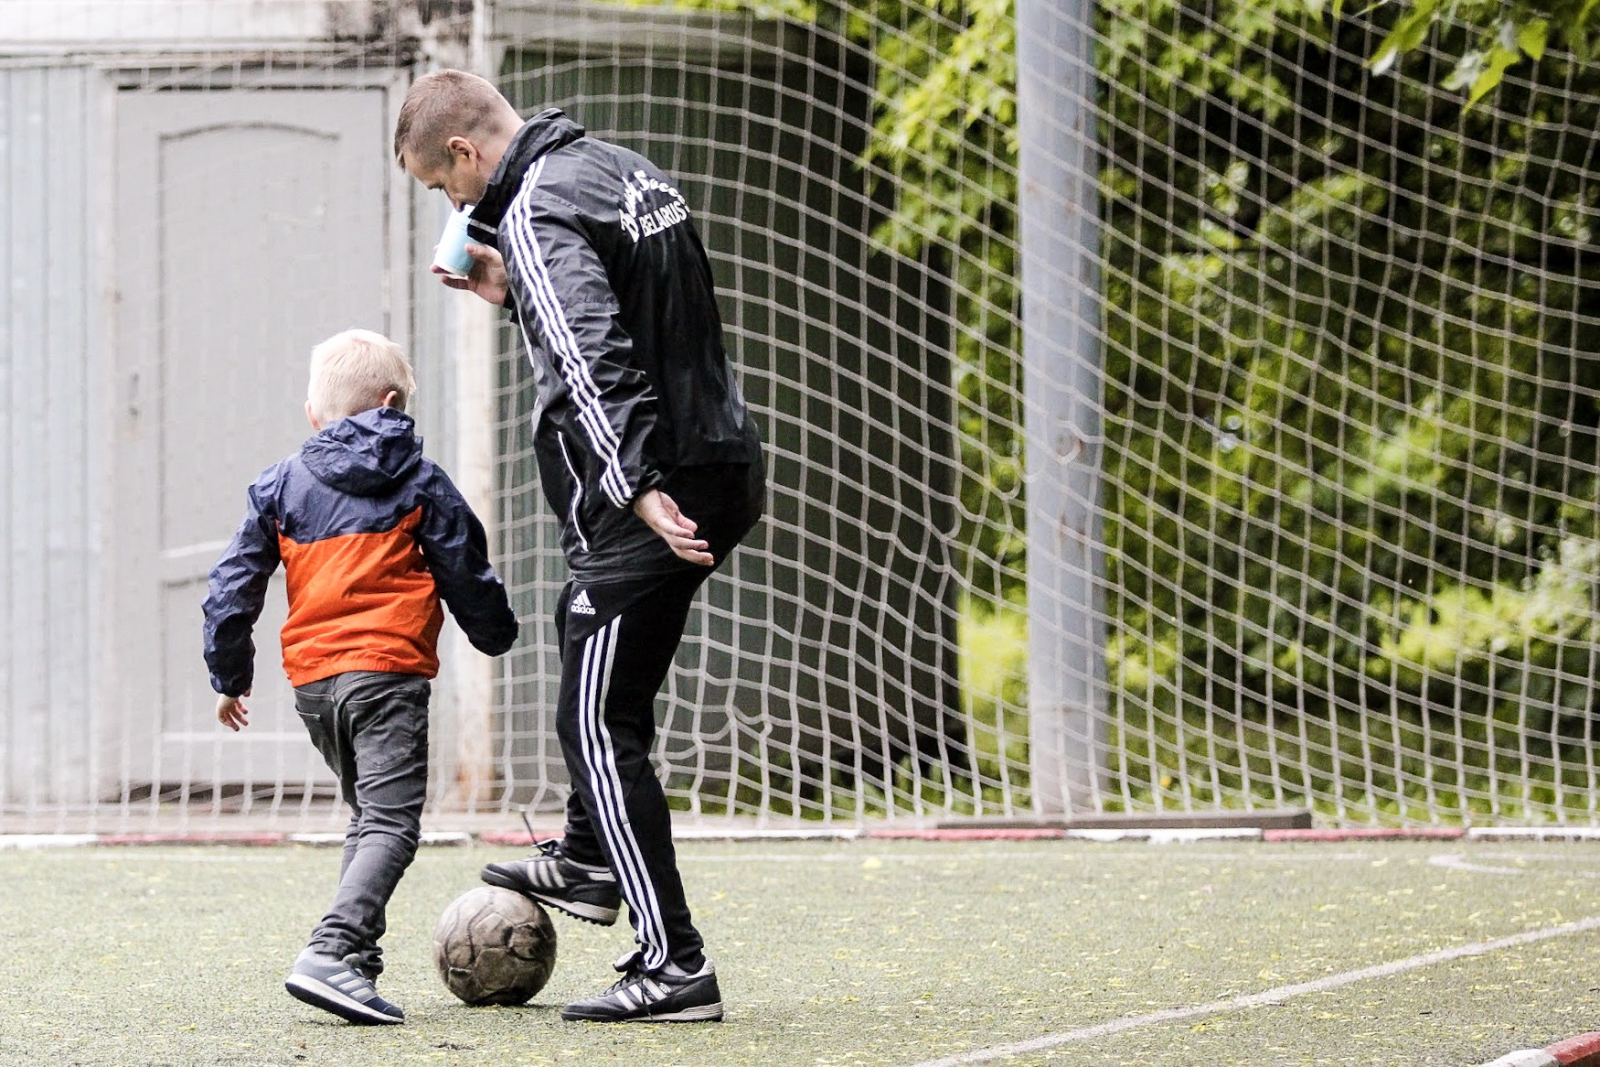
{"x":1500,"y":35}
{"x":944,"y":146}
{"x":1352,"y":427}
{"x":1354,"y":481}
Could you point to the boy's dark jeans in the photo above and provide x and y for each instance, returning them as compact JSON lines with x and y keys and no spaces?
{"x":372,"y":728}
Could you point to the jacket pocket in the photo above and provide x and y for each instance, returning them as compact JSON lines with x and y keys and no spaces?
{"x":575,"y":503}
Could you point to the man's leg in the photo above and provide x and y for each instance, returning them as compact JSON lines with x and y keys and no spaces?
{"x":613,"y":664}
{"x":570,"y":875}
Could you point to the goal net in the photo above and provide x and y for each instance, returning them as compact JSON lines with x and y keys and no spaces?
{"x":1332,"y":462}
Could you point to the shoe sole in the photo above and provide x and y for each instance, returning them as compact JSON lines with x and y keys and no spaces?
{"x":705,"y":1013}
{"x":321,"y":995}
{"x":598,"y":914}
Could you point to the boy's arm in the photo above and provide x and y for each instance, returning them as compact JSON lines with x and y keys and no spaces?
{"x":456,"y":548}
{"x":238,"y":589}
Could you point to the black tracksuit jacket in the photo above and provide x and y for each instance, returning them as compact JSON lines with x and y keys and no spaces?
{"x":613,"y":292}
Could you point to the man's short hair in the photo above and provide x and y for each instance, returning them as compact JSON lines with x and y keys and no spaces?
{"x":442,"y":105}
{"x":353,"y":371}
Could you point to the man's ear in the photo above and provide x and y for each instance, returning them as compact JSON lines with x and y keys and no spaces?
{"x":462,"y":151}
{"x":389,"y":399}
{"x":312,"y":419}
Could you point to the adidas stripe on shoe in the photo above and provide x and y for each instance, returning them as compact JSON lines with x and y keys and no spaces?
{"x":582,"y":891}
{"x":329,"y":983}
{"x":667,"y":996}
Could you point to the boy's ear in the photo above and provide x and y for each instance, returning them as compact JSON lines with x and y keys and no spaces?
{"x":389,"y":399}
{"x":312,"y":419}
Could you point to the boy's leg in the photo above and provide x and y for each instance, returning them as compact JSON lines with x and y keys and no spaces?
{"x":374,"y":734}
{"x":613,"y":664}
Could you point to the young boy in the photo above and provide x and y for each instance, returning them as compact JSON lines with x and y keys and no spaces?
{"x":372,"y":535}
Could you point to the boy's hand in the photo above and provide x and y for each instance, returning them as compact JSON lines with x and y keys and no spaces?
{"x":487,"y":279}
{"x":232,"y":713}
{"x":659,"y":511}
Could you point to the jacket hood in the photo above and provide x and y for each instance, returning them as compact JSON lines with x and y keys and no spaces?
{"x":368,"y":454}
{"x":545,"y":132}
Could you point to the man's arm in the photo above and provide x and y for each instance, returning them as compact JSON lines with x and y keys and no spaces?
{"x":565,"y":297}
{"x":453,"y":542}
{"x":237,"y":592}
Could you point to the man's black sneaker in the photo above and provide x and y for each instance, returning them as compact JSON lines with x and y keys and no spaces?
{"x":670,"y":995}
{"x":582,"y":891}
{"x":331,"y":984}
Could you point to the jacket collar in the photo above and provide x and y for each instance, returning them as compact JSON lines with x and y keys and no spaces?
{"x":545,"y":132}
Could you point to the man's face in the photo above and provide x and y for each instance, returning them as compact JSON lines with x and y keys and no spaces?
{"x":463,"y":179}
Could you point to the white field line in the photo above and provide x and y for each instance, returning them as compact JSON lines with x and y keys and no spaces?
{"x":1276,"y":995}
{"x":1457,"y":862}
{"x":1533,"y":833}
{"x":964,"y":855}
{"x":29,"y":842}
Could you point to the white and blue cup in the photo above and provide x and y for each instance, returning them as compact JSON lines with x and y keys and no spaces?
{"x":451,"y":254}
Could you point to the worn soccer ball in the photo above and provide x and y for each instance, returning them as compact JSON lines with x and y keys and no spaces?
{"x":493,"y":946}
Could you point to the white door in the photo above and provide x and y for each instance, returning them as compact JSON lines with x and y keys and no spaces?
{"x":249,"y":226}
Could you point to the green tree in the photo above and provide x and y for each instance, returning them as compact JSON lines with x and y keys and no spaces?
{"x":1351,"y":471}
{"x":1354,"y":419}
{"x":1500,"y":35}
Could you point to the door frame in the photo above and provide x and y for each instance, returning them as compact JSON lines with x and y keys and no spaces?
{"x":119,"y":725}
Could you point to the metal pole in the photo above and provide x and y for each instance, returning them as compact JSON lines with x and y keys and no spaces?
{"x":1059,"y":223}
{"x":473,"y":348}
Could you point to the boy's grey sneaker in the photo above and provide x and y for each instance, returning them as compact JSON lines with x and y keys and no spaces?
{"x":331,"y":984}
{"x":582,"y":891}
{"x":670,"y":995}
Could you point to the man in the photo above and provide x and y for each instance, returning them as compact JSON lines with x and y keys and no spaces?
{"x":645,"y":450}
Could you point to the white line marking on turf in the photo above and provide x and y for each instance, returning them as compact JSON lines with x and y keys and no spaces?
{"x":964,"y":856}
{"x":22,"y":842}
{"x":1457,"y":862}
{"x":1533,"y":833}
{"x":1271,"y":996}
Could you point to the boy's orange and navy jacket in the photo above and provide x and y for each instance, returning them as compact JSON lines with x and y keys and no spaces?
{"x":371,"y":535}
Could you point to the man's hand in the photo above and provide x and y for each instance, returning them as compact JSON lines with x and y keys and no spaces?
{"x":676,"y":529}
{"x":487,"y":278}
{"x":232,"y":713}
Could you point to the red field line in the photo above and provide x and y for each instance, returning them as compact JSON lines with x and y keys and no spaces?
{"x":973,"y":834}
{"x":1580,"y":1051}
{"x":509,"y":837}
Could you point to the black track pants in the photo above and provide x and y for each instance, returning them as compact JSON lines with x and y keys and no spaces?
{"x":613,"y":663}
{"x":618,"y":638}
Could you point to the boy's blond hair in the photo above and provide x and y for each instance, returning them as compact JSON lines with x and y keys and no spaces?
{"x":353,"y":371}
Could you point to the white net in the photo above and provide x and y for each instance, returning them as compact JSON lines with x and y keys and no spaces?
{"x":819,"y":677}
{"x":1350,"y":428}
{"x":1335,"y":485}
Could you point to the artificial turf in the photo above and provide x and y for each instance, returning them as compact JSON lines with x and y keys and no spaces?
{"x":865,"y":952}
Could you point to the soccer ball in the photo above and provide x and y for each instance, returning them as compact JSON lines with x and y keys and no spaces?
{"x":493,"y":946}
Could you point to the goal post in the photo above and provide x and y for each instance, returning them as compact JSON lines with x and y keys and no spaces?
{"x":1058,"y":222}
